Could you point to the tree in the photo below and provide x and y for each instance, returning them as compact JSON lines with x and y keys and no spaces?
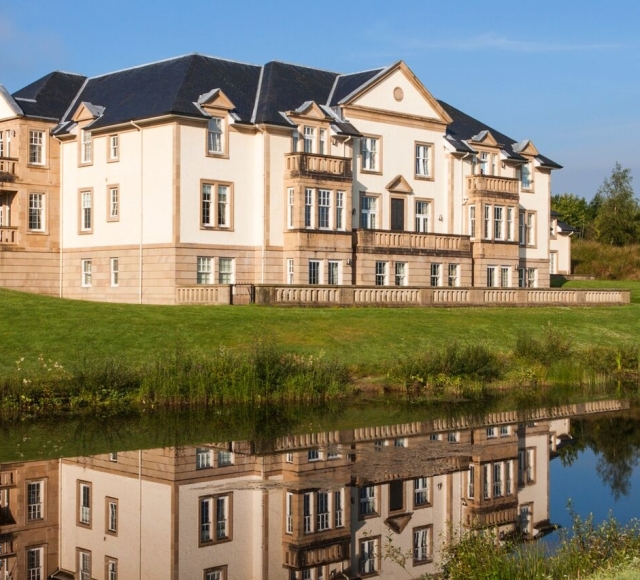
{"x":572,"y":209}
{"x":618,"y":219}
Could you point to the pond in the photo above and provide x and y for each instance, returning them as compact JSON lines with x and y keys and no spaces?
{"x":313,"y":492}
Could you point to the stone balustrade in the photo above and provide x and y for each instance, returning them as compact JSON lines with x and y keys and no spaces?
{"x":8,"y":169}
{"x":411,"y":240}
{"x":316,"y":165}
{"x":492,"y":184}
{"x":8,"y":235}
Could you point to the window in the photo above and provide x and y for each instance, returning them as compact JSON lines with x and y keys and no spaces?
{"x":338,"y":509}
{"x":205,"y":270}
{"x":422,"y":544}
{"x":453,"y":437}
{"x":396,"y":496}
{"x":113,"y":456}
{"x":504,"y":430}
{"x":497,"y":480}
{"x":36,"y":212}
{"x":112,"y":515}
{"x":487,"y":222}
{"x":526,"y":458}
{"x":420,"y":491}
{"x":87,"y":273}
{"x":505,"y":277}
{"x":289,"y":512}
{"x":471,"y":492}
{"x":84,"y":565}
{"x":214,"y":136}
{"x":5,"y":209}
{"x":370,"y":154}
{"x":453,"y":275}
{"x":203,"y":458}
{"x":368,"y":212}
{"x":521,"y":278}
{"x":510,"y":224}
{"x":84,"y":503}
{"x":307,"y":508}
{"x":289,"y":457}
{"x":368,"y":556}
{"x":422,"y":217}
{"x":290,"y":207}
{"x":215,"y":509}
{"x":112,"y":569}
{"x":216,"y":205}
{"x":36,"y":147}
{"x":308,"y":208}
{"x":491,"y":276}
{"x":34,"y":500}
{"x":115,"y":272}
{"x":225,"y":271}
{"x":552,"y":262}
{"x":333,"y":274}
{"x":86,"y":147}
{"x":309,"y":139}
{"x":532,"y":278}
{"x":525,"y":176}
{"x":314,"y":272}
{"x":339,"y":210}
{"x":86,"y":211}
{"x":322,"y":143}
{"x":114,"y":147}
{"x":324,"y":208}
{"x":472,"y":221}
{"x":367,"y":500}
{"x":436,"y":278}
{"x":35,"y":559}
{"x":381,"y":273}
{"x":497,"y":222}
{"x":295,"y":139}
{"x":491,"y":433}
{"x":526,"y":518}
{"x":484,"y":165}
{"x":289,"y":271}
{"x":114,"y":204}
{"x":2,"y":144}
{"x":313,"y":455}
{"x":423,"y":155}
{"x":322,"y":511}
{"x":486,"y":490}
{"x":401,"y":273}
{"x":530,"y":232}
{"x":225,"y":458}
{"x":219,"y":573}
{"x":508,"y":475}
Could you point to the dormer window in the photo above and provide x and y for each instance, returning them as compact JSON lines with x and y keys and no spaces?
{"x":86,"y":155}
{"x":322,"y":142}
{"x":214,"y":136}
{"x":309,"y":139}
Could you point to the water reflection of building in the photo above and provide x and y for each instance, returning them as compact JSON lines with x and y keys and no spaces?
{"x":320,"y":506}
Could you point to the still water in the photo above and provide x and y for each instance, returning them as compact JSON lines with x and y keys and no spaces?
{"x":300,"y":493}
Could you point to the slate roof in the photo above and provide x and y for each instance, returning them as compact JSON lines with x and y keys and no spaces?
{"x":464,"y":127}
{"x":563,"y":227}
{"x":347,"y":84}
{"x":50,"y":96}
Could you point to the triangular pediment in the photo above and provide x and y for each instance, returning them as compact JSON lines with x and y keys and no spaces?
{"x":87,"y":112}
{"x":8,"y":106}
{"x":525,"y":147}
{"x":398,"y":523}
{"x":398,"y":91}
{"x":399,"y":185}
{"x":216,"y":100}
{"x":308,"y":110}
{"x":485,"y":138}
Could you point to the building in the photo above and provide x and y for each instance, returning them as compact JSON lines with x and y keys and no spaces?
{"x":560,"y":246}
{"x":181,"y":177}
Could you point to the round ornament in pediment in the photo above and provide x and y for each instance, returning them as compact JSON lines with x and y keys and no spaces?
{"x":398,"y":94}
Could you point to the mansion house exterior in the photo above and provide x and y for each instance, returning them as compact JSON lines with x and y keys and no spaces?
{"x":198,"y":171}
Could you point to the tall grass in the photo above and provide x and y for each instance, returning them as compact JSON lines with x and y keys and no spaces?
{"x":604,"y":261}
{"x":583,"y":550}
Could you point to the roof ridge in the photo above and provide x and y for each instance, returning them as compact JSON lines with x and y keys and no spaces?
{"x":305,"y":66}
{"x":74,"y":101}
{"x":254,"y":113}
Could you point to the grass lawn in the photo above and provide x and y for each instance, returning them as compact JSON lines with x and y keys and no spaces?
{"x":74,"y":332}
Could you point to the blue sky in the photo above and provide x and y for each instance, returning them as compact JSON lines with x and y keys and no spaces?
{"x":565,"y":74}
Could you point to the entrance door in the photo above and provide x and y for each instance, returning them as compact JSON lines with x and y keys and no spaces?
{"x":397,"y":214}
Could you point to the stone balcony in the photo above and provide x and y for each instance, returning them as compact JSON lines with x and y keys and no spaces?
{"x":318,"y":166}
{"x":8,"y":170}
{"x":493,"y":186}
{"x":8,"y":235}
{"x":411,"y":241}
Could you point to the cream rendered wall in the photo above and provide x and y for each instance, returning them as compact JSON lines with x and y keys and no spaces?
{"x":561,"y":244}
{"x":537,"y":493}
{"x":538,"y":201}
{"x":146,"y":558}
{"x":237,"y":554}
{"x":398,"y":158}
{"x":243,"y":168}
{"x":279,"y":145}
{"x":157,"y":181}
{"x":6,"y":112}
{"x":382,"y":97}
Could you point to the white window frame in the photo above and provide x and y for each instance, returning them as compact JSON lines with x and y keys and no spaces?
{"x":114,"y":203}
{"x":323,"y":511}
{"x":225,"y":457}
{"x":309,"y":207}
{"x":223,"y":205}
{"x":315,"y":272}
{"x":215,"y":136}
{"x":422,"y":544}
{"x":368,"y":501}
{"x":307,"y":513}
{"x":498,"y":222}
{"x":324,"y":209}
{"x":85,"y":503}
{"x":36,"y":212}
{"x":423,"y":160}
{"x":322,"y":142}
{"x":87,"y":272}
{"x":290,"y":271}
{"x":204,"y":270}
{"x":492,"y":278}
{"x":422,"y":216}
{"x":112,"y":569}
{"x":526,"y":176}
{"x":216,"y":205}
{"x":368,"y":212}
{"x":333,"y":272}
{"x":368,"y":559}
{"x":309,"y":139}
{"x":114,"y":147}
{"x":370,"y":152}
{"x":340,"y":210}
{"x":510,"y":231}
{"x":400,"y":273}
{"x":471,"y":482}
{"x":532,"y":278}
{"x":288,"y":502}
{"x":453,"y":279}
{"x":436,"y":275}
{"x":381,"y":274}
{"x":35,"y":564}
{"x":505,"y":277}
{"x":115,"y":271}
{"x":35,"y":500}
{"x":487,"y":223}
{"x":86,"y":146}
{"x":36,"y":147}
{"x":203,"y":458}
{"x":338,"y":509}
{"x":112,"y":516}
{"x":86,"y":211}
{"x":421,"y":491}
{"x":290,"y":207}
{"x":226,"y":270}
